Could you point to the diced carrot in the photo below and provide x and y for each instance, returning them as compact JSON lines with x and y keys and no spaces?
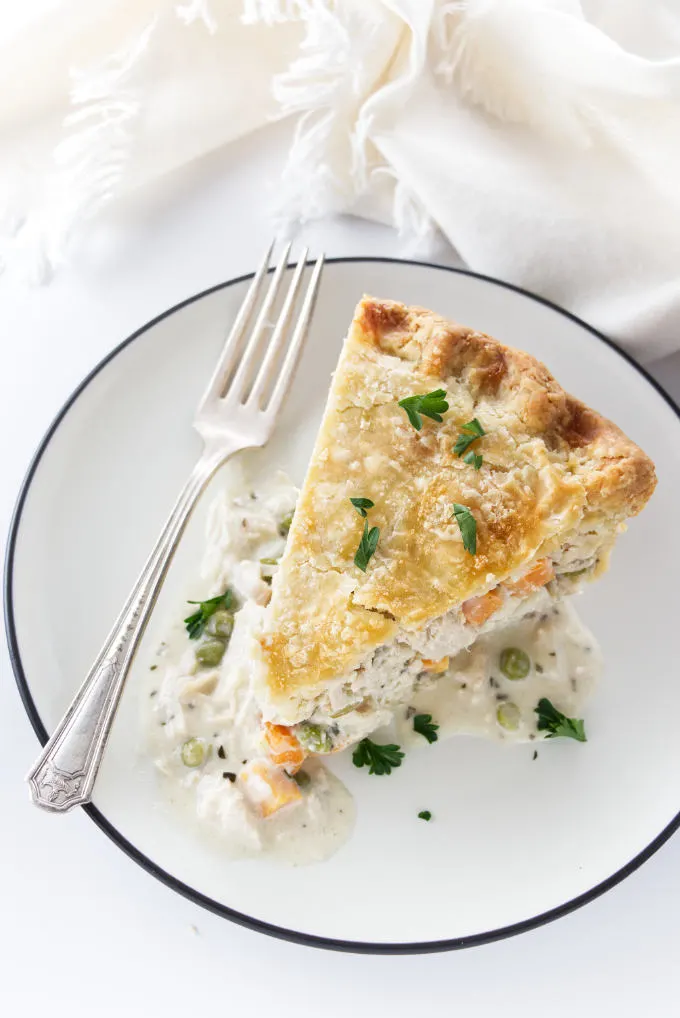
{"x":435,"y":666}
{"x":535,"y":578}
{"x":267,"y":787}
{"x":478,"y":609}
{"x":283,"y":747}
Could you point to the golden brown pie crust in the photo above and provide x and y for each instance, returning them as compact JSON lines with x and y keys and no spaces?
{"x":552,"y":467}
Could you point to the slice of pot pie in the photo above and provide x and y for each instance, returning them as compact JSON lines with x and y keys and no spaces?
{"x":452,"y":482}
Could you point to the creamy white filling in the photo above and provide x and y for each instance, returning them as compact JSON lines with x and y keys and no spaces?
{"x":220,"y":706}
{"x":565,"y":663}
{"x":584,"y":549}
{"x":395,"y":673}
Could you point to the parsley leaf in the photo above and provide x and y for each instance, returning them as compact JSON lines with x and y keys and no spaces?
{"x":475,"y":428}
{"x":431,"y":404}
{"x":556,"y":724}
{"x":378,"y":759}
{"x":469,"y":434}
{"x":468,"y":526}
{"x":462,"y":442}
{"x":425,"y":814}
{"x":361,"y":505}
{"x":422,"y":723}
{"x":367,"y":546}
{"x":474,"y":459}
{"x":195,"y":624}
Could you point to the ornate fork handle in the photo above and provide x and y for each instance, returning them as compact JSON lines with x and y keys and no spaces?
{"x":65,"y":772}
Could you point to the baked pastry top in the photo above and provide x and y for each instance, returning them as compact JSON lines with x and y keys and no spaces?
{"x":553,"y":470}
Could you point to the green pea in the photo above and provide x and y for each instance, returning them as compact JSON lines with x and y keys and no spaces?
{"x":507,"y":715}
{"x":221,"y":625}
{"x":514,"y":663}
{"x":314,"y":738}
{"x":284,"y":525}
{"x":193,"y":752}
{"x":210,"y":653}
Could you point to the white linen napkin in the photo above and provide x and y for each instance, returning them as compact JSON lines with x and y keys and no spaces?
{"x":542,"y":137}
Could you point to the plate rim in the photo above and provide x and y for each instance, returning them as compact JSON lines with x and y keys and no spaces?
{"x":241,"y":918}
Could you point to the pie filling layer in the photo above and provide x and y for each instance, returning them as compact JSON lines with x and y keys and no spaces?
{"x":259,"y":787}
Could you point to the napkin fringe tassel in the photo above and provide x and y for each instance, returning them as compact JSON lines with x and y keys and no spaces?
{"x":332,"y":164}
{"x":86,"y":165}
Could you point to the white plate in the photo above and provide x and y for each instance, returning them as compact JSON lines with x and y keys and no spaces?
{"x":515,"y":842}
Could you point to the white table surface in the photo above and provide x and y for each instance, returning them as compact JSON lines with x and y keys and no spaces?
{"x":84,"y":930}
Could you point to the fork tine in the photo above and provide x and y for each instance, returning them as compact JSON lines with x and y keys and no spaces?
{"x":299,"y":336}
{"x":278,"y":338}
{"x":237,"y":388}
{"x":216,"y":384}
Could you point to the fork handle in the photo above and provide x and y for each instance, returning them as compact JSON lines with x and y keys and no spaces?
{"x":65,"y":772}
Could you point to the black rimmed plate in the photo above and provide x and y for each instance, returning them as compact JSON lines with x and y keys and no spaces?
{"x":515,"y":841}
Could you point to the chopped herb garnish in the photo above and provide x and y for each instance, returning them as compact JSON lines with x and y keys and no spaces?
{"x":474,"y":428}
{"x":422,"y":724}
{"x":269,"y":562}
{"x":220,"y":752}
{"x":535,"y":756}
{"x":425,"y":814}
{"x":470,"y":432}
{"x":557,"y":724}
{"x":361,"y":505}
{"x":229,"y":775}
{"x":378,"y":759}
{"x":468,"y":527}
{"x":195,"y":624}
{"x":431,"y":404}
{"x":474,"y":459}
{"x":367,"y":546}
{"x":153,"y":668}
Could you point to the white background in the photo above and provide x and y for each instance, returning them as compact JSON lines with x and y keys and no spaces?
{"x":84,"y":930}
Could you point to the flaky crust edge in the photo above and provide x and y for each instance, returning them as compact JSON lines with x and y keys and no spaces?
{"x":618,"y":477}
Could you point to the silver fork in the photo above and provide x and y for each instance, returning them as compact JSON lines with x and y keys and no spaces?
{"x":238,"y":411}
